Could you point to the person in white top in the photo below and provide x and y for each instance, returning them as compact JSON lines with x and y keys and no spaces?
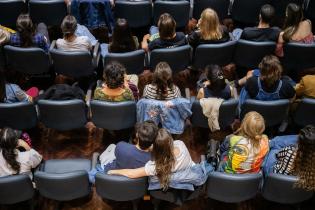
{"x":168,"y":156}
{"x":70,"y":41}
{"x":12,"y":160}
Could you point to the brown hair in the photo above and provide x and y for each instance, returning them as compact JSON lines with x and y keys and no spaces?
{"x":164,"y":157}
{"x":162,"y":78}
{"x":252,"y":128}
{"x":209,"y":25}
{"x":271,"y":70}
{"x":304,"y":163}
{"x":294,"y":15}
{"x":167,"y":26}
{"x":114,"y":75}
{"x":26,"y":29}
{"x":68,"y":26}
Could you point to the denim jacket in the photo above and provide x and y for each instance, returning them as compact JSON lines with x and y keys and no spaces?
{"x":185,"y":179}
{"x":275,"y":145}
{"x":93,"y":13}
{"x":171,"y":114}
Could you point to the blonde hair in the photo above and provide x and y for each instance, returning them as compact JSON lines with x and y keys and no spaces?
{"x":209,"y":25}
{"x":252,"y":127}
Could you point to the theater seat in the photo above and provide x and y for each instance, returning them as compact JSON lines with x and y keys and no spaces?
{"x":305,"y":112}
{"x":10,"y":10}
{"x":220,"y":6}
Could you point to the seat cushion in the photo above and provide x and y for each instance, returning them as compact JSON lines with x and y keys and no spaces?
{"x":66,"y":165}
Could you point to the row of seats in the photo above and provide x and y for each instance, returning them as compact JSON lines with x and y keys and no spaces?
{"x":72,"y":114}
{"x":243,"y":53}
{"x":65,"y":180}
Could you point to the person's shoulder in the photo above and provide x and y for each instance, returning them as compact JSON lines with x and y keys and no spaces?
{"x":122,"y":145}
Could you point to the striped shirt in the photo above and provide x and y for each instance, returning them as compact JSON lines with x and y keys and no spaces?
{"x":151,"y":92}
{"x":285,"y":160}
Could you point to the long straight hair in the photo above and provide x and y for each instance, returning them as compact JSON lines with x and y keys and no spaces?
{"x":294,"y":15}
{"x":210,"y":25}
{"x":26,"y":29}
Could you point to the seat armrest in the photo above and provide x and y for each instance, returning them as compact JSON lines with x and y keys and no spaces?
{"x":95,"y":157}
{"x":96,"y":54}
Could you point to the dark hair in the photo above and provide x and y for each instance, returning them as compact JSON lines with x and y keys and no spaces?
{"x":167,"y":26}
{"x":2,"y":86}
{"x":216,"y":78}
{"x":163,"y":156}
{"x":26,"y":29}
{"x":162,"y":78}
{"x":122,"y":39}
{"x":8,"y":144}
{"x":294,"y":15}
{"x":114,"y":75}
{"x":304,"y":163}
{"x":270,"y":70}
{"x":68,"y":26}
{"x":146,"y":133}
{"x":267,"y":13}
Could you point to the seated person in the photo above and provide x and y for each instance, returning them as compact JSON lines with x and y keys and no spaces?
{"x":215,"y":84}
{"x":162,"y":87}
{"x":306,"y":87}
{"x":263,"y":32}
{"x":167,"y":37}
{"x":28,"y":36}
{"x":134,"y":156}
{"x":299,"y":159}
{"x":268,"y":85}
{"x":168,"y":158}
{"x":209,"y":30}
{"x":4,"y":36}
{"x":12,"y":160}
{"x":70,"y":41}
{"x":245,"y":150}
{"x":115,"y":88}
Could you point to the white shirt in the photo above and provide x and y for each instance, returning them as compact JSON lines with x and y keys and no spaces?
{"x":182,"y":160}
{"x":80,"y":43}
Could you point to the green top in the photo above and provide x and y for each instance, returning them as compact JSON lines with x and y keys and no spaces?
{"x":125,"y":96}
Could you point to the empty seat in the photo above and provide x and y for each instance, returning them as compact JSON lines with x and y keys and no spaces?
{"x":178,"y":58}
{"x":220,"y":54}
{"x":249,"y":54}
{"x":220,"y":6}
{"x":179,"y":10}
{"x":50,"y":12}
{"x":120,"y":188}
{"x":227,"y":114}
{"x":274,"y":112}
{"x":21,"y":115}
{"x":27,"y":60}
{"x":281,"y":5}
{"x":247,"y":11}
{"x":62,"y":115}
{"x":63,"y":180}
{"x":10,"y":10}
{"x":132,"y":61}
{"x":138,"y":14}
{"x":15,"y":189}
{"x":113,"y":115}
{"x":280,"y":189}
{"x":233,"y":188}
{"x":305,"y":112}
{"x":309,"y":12}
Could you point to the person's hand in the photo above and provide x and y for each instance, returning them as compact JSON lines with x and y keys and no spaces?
{"x":68,"y":2}
{"x":23,"y":144}
{"x":146,"y":37}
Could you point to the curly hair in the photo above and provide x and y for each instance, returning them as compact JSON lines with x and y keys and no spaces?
{"x":114,"y":75}
{"x":304,"y":163}
{"x":162,"y":78}
{"x":8,"y":144}
{"x":164,"y":157}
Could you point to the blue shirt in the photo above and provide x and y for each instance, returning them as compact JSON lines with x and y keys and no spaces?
{"x":38,"y":41}
{"x":128,"y":156}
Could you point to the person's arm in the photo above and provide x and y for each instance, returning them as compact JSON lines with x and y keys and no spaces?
{"x":130,"y":173}
{"x":200,"y":94}
{"x":144,"y":43}
{"x":279,"y":48}
{"x":23,"y":144}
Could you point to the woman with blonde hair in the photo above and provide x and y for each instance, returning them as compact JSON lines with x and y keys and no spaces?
{"x":244,"y":151}
{"x":209,"y":30}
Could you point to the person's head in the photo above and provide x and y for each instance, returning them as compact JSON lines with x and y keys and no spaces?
{"x":145,"y":134}
{"x":252,"y":128}
{"x":270,"y":70}
{"x":68,"y":26}
{"x":216,"y":78}
{"x":2,"y":86}
{"x":267,"y":13}
{"x":304,"y":163}
{"x":122,"y":39}
{"x":162,"y":78}
{"x":163,"y":156}
{"x":26,"y":29}
{"x":8,"y":145}
{"x":293,"y":17}
{"x":4,"y":36}
{"x":114,"y":75}
{"x":167,"y":26}
{"x":209,"y":25}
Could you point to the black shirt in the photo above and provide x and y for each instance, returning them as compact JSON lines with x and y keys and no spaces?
{"x":261,"y":34}
{"x":178,"y":40}
{"x":286,"y":90}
